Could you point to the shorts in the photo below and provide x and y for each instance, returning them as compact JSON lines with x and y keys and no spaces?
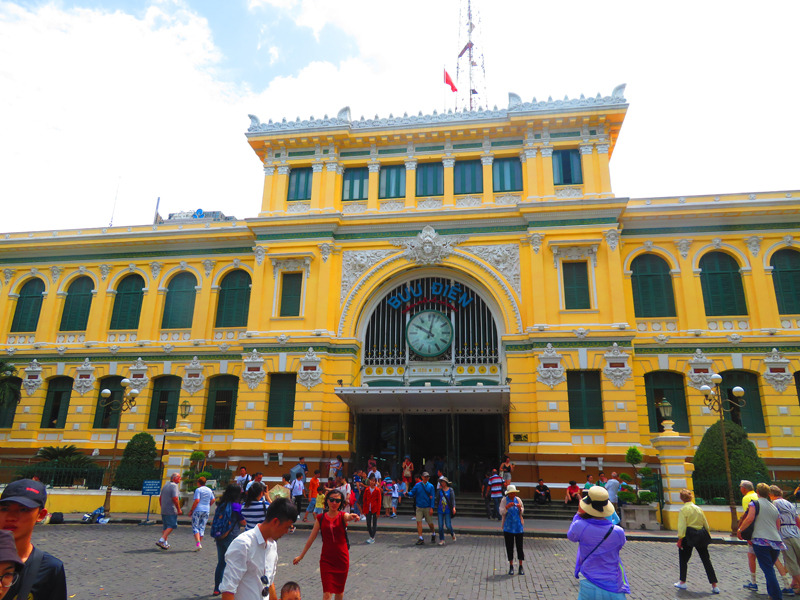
{"x":318,"y":510}
{"x":424,"y":514}
{"x":387,"y":502}
{"x":199,"y":520}
{"x":170,"y":521}
{"x":311,"y":504}
{"x":791,"y":556}
{"x":506,"y":475}
{"x":394,"y":502}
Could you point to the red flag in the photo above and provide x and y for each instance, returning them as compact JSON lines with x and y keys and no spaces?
{"x":449,"y":81}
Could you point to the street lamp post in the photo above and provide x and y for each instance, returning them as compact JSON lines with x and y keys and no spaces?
{"x":119,"y":405}
{"x":715,"y":401}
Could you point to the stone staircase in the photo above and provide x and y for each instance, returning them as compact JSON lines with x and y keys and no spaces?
{"x":471,"y":505}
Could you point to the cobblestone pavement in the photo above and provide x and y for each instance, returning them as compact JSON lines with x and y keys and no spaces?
{"x":122,"y":561}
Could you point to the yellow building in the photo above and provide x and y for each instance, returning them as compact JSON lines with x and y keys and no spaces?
{"x":460,"y":285}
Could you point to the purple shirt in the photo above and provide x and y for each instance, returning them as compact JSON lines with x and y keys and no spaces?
{"x":603,"y":567}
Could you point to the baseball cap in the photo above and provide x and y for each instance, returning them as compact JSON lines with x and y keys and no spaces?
{"x":8,"y":549}
{"x":27,"y":492}
{"x":425,"y":474}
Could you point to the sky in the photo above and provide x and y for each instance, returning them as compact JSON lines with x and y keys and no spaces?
{"x":106,"y":106}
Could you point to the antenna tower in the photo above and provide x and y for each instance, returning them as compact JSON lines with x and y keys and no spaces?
{"x":470,"y":69}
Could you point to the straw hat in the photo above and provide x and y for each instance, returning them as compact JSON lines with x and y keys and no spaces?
{"x":596,"y":502}
{"x":512,"y":489}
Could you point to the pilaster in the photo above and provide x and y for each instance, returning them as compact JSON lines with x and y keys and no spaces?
{"x":411,"y":183}
{"x":449,"y":182}
{"x":530,"y":172}
{"x":269,"y":189}
{"x":603,"y":170}
{"x":488,"y":181}
{"x":548,"y":189}
{"x":374,"y":181}
{"x":588,"y":168}
{"x":316,"y":186}
{"x":281,"y":189}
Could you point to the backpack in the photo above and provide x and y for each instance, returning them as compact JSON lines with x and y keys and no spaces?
{"x":56,"y":518}
{"x":222,"y":524}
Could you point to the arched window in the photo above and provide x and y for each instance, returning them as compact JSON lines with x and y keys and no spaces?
{"x":105,"y":417}
{"x":179,"y":304}
{"x":234,"y":299}
{"x":9,"y":407}
{"x":786,"y":279}
{"x":751,"y":415}
{"x":221,"y":409}
{"x":76,"y":307}
{"x":56,"y":404}
{"x":128,"y":303}
{"x":29,"y":305}
{"x":669,"y":386}
{"x":164,"y":406}
{"x":652,"y":287}
{"x":723,"y":294}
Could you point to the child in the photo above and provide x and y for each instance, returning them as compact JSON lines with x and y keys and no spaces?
{"x":395,"y":499}
{"x":319,"y":504}
{"x":371,"y":503}
{"x":290,"y":591}
{"x":313,"y":488}
{"x":387,"y":487}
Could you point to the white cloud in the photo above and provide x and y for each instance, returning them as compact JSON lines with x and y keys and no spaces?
{"x":274,"y":55}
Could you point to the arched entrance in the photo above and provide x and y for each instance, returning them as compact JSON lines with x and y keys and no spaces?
{"x":432,"y":378}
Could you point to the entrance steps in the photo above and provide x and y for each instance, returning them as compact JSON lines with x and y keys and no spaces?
{"x":470,"y":504}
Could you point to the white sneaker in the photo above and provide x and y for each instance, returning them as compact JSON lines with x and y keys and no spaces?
{"x":363,"y":517}
{"x":679,"y":585}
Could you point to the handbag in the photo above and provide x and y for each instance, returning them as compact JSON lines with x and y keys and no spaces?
{"x":747,"y":532}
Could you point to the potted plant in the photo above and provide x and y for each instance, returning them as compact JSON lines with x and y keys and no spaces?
{"x":638,"y":511}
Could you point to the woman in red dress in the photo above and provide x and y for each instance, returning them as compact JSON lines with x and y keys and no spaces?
{"x":334,"y":560}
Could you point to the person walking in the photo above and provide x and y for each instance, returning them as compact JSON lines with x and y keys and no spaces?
{"x":613,"y":485}
{"x":511,"y":509}
{"x":408,"y":470}
{"x":506,"y":467}
{"x":230,"y":519}
{"x":790,"y":533}
{"x":371,"y":504}
{"x":693,"y":532}
{"x":170,"y":503}
{"x":387,"y":487}
{"x":313,"y":490}
{"x":254,"y":510}
{"x":766,"y":540}
{"x":298,"y":491}
{"x":423,"y":494}
{"x":203,"y":497}
{"x":446,"y":508}
{"x":334,"y":559}
{"x":599,"y":542}
{"x":496,"y":486}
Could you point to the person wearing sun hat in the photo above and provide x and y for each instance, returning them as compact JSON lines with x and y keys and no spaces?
{"x":511,"y":509}
{"x":10,"y":564}
{"x":599,"y":543}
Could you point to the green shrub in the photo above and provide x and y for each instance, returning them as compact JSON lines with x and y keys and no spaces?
{"x":625,"y":477}
{"x":626,"y":497}
{"x":138,"y":463}
{"x":647,"y":497}
{"x":709,"y":462}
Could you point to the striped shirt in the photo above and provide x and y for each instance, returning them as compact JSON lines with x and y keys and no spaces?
{"x":496,"y":485}
{"x":255,"y":513}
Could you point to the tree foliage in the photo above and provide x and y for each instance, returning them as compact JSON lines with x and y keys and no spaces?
{"x":63,"y":466}
{"x":138,"y":463}
{"x":709,"y":461}
{"x":66,"y":456}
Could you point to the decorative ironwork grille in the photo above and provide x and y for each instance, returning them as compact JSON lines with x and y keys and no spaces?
{"x":475,"y":338}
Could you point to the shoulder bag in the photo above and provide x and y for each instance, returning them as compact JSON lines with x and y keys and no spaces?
{"x":585,"y":558}
{"x":31,"y":573}
{"x":747,"y":532}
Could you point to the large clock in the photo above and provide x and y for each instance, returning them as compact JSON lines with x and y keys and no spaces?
{"x":429,"y":333}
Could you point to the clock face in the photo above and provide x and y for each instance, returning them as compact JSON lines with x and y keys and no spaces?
{"x":429,"y":333}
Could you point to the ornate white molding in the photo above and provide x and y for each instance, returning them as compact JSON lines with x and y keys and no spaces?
{"x":508,"y":200}
{"x":617,"y":368}
{"x":683,"y":246}
{"x":547,"y":151}
{"x":501,"y":282}
{"x":588,"y":252}
{"x":469,"y":201}
{"x":428,"y":247}
{"x":581,"y":333}
{"x":155,"y":269}
{"x":351,"y":208}
{"x":391,"y":205}
{"x":193,"y":377}
{"x":569,"y":192}
{"x":602,"y":148}
{"x":297,"y":206}
{"x":11,"y":350}
{"x":448,"y":162}
{"x":777,"y":373}
{"x":85,"y":379}
{"x":430,"y":203}
{"x":504,"y":258}
{"x":253,"y":372}
{"x":291,"y":264}
{"x":787,"y":239}
{"x":283,"y":339}
{"x":208,"y":266}
{"x":284,"y":169}
{"x":33,"y":377}
{"x":700,"y":370}
{"x":612,"y":238}
{"x":138,"y":374}
{"x":487,"y":160}
{"x":355,"y":263}
{"x":586,"y":148}
{"x":55,"y":273}
{"x":260,"y":252}
{"x":753,"y":244}
{"x":8,"y":274}
{"x":662,"y":339}
{"x":325,"y":251}
{"x":104,"y":271}
{"x":551,"y":373}
{"x":536,"y":240}
{"x":310,"y":373}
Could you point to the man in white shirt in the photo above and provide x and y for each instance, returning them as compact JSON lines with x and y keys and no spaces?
{"x":612,"y":487}
{"x":257,"y":477}
{"x":252,"y":558}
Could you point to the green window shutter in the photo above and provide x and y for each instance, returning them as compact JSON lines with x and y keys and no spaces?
{"x":751,"y":415}
{"x":233,"y":306}
{"x":179,"y":302}
{"x":506,"y":175}
{"x":669,"y":386}
{"x":300,"y":184}
{"x":128,"y":303}
{"x":56,"y":403}
{"x":786,"y":280}
{"x":567,"y":167}
{"x":77,"y":305}
{"x":106,"y":417}
{"x":721,"y":282}
{"x":430,"y":179}
{"x":29,"y":305}
{"x":291,"y":294}
{"x":576,"y":286}
{"x":652,"y":287}
{"x":221,"y":410}
{"x":355,"y":184}
{"x":585,"y":400}
{"x":8,"y":409}
{"x":165,"y":400}
{"x":392,"y":183}
{"x":280,"y":412}
{"x":468,"y":176}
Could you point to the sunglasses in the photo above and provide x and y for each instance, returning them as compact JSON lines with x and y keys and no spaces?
{"x":337,"y":500}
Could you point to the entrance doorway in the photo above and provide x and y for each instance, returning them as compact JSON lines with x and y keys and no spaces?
{"x":464,"y":446}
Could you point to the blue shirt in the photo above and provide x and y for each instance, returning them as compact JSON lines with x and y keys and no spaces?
{"x":513,"y":520}
{"x":423,"y":494}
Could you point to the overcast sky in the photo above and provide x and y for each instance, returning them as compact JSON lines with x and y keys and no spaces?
{"x":135,"y":100}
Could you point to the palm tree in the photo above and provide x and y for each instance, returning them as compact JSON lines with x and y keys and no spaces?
{"x":67,"y":456}
{"x":9,"y":384}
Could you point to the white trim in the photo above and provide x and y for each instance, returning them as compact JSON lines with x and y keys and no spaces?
{"x":227,"y":269}
{"x":112,"y":283}
{"x":75,"y":275}
{"x":167,"y":275}
{"x":674,"y":266}
{"x":744,"y":264}
{"x":782,"y":245}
